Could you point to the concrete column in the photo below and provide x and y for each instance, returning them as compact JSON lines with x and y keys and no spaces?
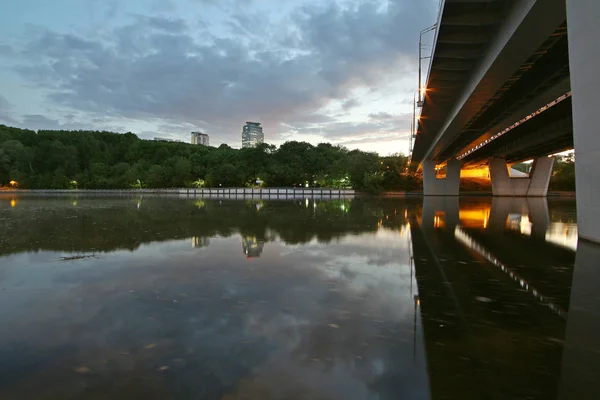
{"x":449,"y":186}
{"x":583,"y":19}
{"x":534,"y":185}
{"x":540,"y":175}
{"x":502,"y":183}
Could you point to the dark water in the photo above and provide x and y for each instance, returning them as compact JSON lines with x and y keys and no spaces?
{"x":169,"y":298}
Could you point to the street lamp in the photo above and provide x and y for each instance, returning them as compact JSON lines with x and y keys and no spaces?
{"x":413,"y":125}
{"x":421,"y":89}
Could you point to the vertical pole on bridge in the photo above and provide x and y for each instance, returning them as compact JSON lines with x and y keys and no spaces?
{"x":583,"y":22}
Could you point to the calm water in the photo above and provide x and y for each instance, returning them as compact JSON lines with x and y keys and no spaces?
{"x":169,"y":298}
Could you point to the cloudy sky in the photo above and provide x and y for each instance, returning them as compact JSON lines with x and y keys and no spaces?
{"x":339,"y":71}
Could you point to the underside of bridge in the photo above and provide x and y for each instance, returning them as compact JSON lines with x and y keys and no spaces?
{"x":493,"y":65}
{"x":510,"y":81}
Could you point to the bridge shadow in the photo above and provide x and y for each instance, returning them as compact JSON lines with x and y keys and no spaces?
{"x":495,"y":295}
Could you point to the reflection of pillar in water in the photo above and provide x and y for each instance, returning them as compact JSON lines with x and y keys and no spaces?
{"x":539,"y":216}
{"x":440,"y":212}
{"x":252,"y":246}
{"x":518,"y":213}
{"x":581,"y":354}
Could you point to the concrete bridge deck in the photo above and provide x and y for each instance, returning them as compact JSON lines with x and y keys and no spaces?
{"x":511,"y":81}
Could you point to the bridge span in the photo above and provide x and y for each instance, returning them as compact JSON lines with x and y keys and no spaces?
{"x":511,"y":81}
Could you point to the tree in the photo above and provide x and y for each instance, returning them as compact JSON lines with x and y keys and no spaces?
{"x":563,"y":173}
{"x":52,"y":159}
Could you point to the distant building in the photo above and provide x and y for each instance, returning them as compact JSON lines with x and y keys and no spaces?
{"x":200,"y":138}
{"x":252,"y":135}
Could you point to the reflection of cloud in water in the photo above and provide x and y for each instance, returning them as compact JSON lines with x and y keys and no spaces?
{"x":280,"y":326}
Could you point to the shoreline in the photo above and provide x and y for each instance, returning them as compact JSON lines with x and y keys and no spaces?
{"x":268,"y":192}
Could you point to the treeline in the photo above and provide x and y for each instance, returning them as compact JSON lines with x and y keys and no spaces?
{"x":563,"y":173}
{"x":106,"y":160}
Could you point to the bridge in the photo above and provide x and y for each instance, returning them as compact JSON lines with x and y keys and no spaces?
{"x":511,"y":81}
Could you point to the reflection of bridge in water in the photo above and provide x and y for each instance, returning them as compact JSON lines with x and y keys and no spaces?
{"x":498,"y":312}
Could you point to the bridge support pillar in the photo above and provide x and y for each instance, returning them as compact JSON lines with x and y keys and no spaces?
{"x":583,"y":20}
{"x":448,"y":186}
{"x":534,"y":185}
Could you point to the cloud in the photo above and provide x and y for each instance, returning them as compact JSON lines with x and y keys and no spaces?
{"x":6,"y":50}
{"x":381,"y":116}
{"x":6,"y":111}
{"x":41,"y":122}
{"x":349,"y":104}
{"x":4,"y":104}
{"x":170,"y":25}
{"x":281,"y":74}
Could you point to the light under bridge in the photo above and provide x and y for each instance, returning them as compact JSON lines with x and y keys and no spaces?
{"x":511,"y":81}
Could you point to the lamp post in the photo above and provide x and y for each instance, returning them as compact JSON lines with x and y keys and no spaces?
{"x":428,"y":29}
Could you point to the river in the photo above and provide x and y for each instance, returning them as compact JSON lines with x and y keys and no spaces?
{"x":365,"y":298}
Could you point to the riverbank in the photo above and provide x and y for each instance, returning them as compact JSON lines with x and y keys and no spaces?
{"x":283,"y":192}
{"x":202,"y":192}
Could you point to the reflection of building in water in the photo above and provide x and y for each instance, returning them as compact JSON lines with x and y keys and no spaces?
{"x":520,"y":223}
{"x":198,"y":242}
{"x":252,"y":246}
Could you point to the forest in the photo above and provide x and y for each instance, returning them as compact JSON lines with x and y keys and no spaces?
{"x":105,"y":160}
{"x":50,"y":159}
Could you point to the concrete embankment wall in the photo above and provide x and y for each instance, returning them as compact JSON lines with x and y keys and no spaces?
{"x":212,"y":192}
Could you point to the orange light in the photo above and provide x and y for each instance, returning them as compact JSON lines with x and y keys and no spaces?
{"x":13,"y":203}
{"x":14,"y":183}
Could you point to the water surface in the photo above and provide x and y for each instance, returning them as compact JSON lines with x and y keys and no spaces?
{"x":366,"y":298}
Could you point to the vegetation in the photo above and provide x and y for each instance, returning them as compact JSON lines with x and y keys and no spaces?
{"x":105,"y":160}
{"x":563,"y":173}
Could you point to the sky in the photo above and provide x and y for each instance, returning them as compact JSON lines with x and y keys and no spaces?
{"x":337,"y":71}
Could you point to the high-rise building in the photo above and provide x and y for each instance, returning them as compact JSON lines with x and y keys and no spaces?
{"x":252,"y":135}
{"x":200,"y":138}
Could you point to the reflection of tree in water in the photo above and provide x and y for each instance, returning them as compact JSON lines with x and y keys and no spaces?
{"x":563,"y":211}
{"x":107,"y":224}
